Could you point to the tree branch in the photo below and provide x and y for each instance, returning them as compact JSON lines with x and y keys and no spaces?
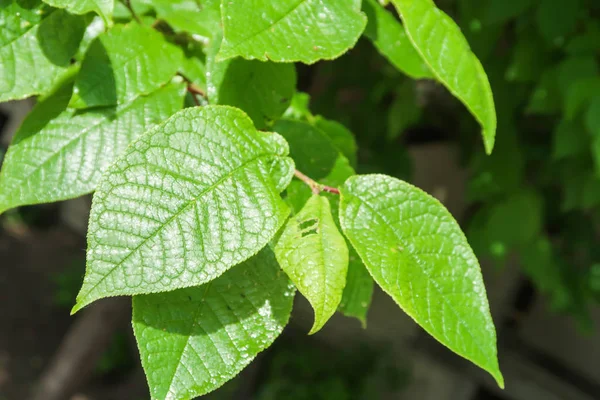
{"x":315,"y":186}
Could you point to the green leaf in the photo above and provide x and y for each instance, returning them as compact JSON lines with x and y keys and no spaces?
{"x":313,"y":253}
{"x":36,"y":47}
{"x":201,"y":18}
{"x":264,"y":90}
{"x":314,"y":154}
{"x":417,"y":253}
{"x":332,"y":169}
{"x":187,"y":201}
{"x":443,"y":47}
{"x":299,"y":107}
{"x":123,"y":63}
{"x":58,"y":154}
{"x":193,"y":340}
{"x":340,"y":136}
{"x":389,"y":37}
{"x":290,"y":30}
{"x":103,"y":7}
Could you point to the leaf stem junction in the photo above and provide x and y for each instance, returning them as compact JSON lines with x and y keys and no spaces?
{"x":315,"y":186}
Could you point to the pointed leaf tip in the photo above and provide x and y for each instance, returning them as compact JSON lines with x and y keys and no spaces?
{"x":417,"y":253}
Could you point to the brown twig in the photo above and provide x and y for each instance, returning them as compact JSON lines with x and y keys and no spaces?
{"x":193,"y":89}
{"x":132,"y":11}
{"x":315,"y":186}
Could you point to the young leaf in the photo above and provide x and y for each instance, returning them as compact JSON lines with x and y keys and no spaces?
{"x":290,"y":30}
{"x":123,"y":63}
{"x":219,"y":327}
{"x":304,"y":139}
{"x":445,"y":50}
{"x":58,"y":154}
{"x":36,"y":47}
{"x":313,"y":253}
{"x":103,"y":7}
{"x":417,"y":253}
{"x":389,"y":37}
{"x":264,"y":90}
{"x":187,"y":201}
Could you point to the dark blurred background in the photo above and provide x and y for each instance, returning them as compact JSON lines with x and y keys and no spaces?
{"x":531,"y":212}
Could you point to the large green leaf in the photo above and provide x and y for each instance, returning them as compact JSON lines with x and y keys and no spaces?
{"x":193,"y":340}
{"x":390,"y":39}
{"x":290,"y":30}
{"x":446,"y":51}
{"x":123,"y":63}
{"x":417,"y":253}
{"x":332,"y":169}
{"x":264,"y":90}
{"x":36,"y":47}
{"x":58,"y":154}
{"x":103,"y":7}
{"x":313,"y":253}
{"x":187,"y":201}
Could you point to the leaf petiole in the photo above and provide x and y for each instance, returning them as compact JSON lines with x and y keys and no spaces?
{"x":315,"y":186}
